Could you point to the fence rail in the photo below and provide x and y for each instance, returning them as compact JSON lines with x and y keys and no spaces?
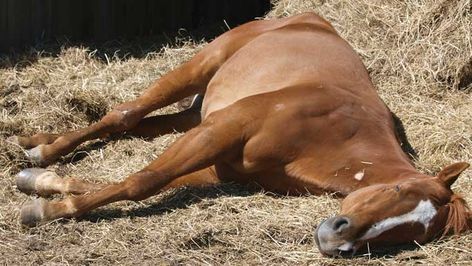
{"x":27,"y":22}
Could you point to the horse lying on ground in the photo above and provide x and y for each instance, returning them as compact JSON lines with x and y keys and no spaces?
{"x":287,"y":106}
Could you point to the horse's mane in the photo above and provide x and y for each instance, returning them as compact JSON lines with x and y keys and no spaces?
{"x":459,"y":218}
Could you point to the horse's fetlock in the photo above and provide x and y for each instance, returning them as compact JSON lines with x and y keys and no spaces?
{"x":133,"y":190}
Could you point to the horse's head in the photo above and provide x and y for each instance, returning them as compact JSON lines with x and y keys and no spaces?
{"x":414,"y":209}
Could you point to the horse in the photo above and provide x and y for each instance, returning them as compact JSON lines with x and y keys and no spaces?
{"x":285,"y":105}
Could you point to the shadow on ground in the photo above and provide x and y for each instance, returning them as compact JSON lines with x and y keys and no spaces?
{"x":178,"y":199}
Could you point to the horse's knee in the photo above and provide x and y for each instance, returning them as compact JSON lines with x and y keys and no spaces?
{"x":133,"y":190}
{"x":122,"y":119}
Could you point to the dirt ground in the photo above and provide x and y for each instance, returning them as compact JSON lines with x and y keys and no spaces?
{"x":419,"y":55}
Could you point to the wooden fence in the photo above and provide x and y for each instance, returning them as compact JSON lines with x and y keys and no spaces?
{"x":28,"y":22}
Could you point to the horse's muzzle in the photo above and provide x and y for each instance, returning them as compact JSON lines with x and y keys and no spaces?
{"x":329,"y":237}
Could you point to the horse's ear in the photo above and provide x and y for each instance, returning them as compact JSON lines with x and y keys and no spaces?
{"x":449,"y":174}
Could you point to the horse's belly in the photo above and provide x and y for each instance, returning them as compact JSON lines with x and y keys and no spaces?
{"x":274,"y":180}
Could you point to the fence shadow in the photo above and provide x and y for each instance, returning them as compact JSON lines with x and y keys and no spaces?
{"x":138,"y":47}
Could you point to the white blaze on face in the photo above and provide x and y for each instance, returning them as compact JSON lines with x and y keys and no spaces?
{"x":423,"y":213}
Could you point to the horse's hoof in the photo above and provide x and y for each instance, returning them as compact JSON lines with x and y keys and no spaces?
{"x":14,"y":140}
{"x":26,"y":179}
{"x":32,"y":212}
{"x":36,"y":155}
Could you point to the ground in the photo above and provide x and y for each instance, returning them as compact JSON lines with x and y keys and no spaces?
{"x":419,"y":55}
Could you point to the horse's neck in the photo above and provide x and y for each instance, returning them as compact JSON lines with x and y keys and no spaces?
{"x":372,"y":166}
{"x":385,"y":169}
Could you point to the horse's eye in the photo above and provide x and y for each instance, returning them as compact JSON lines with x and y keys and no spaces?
{"x":397,"y":188}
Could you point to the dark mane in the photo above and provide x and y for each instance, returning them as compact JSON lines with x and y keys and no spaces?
{"x":459,"y":218}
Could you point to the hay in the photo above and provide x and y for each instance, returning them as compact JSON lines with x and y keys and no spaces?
{"x":418,"y":53}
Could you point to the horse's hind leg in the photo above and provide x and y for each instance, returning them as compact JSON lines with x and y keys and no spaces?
{"x":35,"y":140}
{"x":149,"y":127}
{"x":189,"y":79}
{"x":154,"y":126}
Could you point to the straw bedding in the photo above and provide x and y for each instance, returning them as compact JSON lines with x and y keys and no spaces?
{"x":419,"y":55}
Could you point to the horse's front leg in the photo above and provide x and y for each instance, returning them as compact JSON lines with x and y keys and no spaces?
{"x":218,"y":137}
{"x":40,"y":209}
{"x":44,"y":182}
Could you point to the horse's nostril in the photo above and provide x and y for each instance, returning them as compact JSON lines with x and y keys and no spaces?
{"x":340,"y":223}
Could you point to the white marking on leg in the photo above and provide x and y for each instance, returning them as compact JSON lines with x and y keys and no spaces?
{"x":69,"y":206}
{"x":423,"y":213}
{"x":49,"y":182}
{"x":358,"y":176}
{"x":36,"y":154}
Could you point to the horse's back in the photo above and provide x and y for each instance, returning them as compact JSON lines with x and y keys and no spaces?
{"x":303,"y":51}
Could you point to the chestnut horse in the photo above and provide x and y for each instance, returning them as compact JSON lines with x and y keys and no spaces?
{"x":287,"y":105}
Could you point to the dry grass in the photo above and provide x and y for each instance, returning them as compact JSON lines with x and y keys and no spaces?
{"x":418,"y":53}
